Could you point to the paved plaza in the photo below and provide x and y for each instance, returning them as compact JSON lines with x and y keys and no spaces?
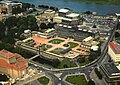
{"x":58,"y":43}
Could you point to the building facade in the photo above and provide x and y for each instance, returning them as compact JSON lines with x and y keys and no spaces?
{"x":13,"y":64}
{"x":111,"y":73}
{"x":67,"y":18}
{"x":114,"y":51}
{"x":6,"y":6}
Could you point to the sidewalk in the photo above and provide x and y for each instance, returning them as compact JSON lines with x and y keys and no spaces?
{"x":96,"y":79}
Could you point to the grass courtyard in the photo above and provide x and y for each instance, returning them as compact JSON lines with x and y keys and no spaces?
{"x":77,"y":80}
{"x":46,"y":47}
{"x":43,"y":80}
{"x":57,"y":51}
{"x":72,"y":45}
{"x":56,"y":41}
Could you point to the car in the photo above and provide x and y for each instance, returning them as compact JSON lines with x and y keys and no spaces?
{"x":40,"y":71}
{"x":91,"y":68}
{"x":59,"y":78}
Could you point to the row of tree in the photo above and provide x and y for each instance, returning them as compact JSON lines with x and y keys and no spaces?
{"x":47,"y":7}
{"x":98,"y":73}
{"x":46,"y":26}
{"x":24,"y":8}
{"x":51,"y":62}
{"x":12,"y":27}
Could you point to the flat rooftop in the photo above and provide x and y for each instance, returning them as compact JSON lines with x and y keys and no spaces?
{"x":72,"y":15}
{"x":64,"y":10}
{"x":112,"y":69}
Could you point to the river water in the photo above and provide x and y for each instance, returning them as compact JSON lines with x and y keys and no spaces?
{"x":77,"y":6}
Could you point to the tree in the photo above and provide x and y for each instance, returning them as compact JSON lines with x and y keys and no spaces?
{"x":23,"y":52}
{"x":65,"y":66}
{"x":50,"y":25}
{"x":117,"y":34}
{"x":43,"y":6}
{"x":53,"y":8}
{"x":2,"y":29}
{"x":92,"y":56}
{"x":81,"y":59}
{"x":11,"y":22}
{"x":88,"y":12}
{"x":55,"y":63}
{"x":90,"y":82}
{"x":32,"y":23}
{"x":43,"y":26}
{"x":22,"y":24}
{"x":17,"y":10}
{"x":98,"y":73}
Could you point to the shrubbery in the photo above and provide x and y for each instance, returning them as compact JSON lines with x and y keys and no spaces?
{"x":98,"y":73}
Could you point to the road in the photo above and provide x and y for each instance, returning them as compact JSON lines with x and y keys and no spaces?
{"x":60,"y":81}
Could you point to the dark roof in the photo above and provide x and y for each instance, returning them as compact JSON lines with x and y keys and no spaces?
{"x":66,"y":50}
{"x":111,"y":68}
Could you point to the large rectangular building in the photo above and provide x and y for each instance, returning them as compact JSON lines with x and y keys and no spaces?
{"x":13,"y":64}
{"x":111,"y":73}
{"x":114,"y":51}
{"x":67,"y":18}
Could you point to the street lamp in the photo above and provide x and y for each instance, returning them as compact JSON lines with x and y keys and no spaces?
{"x":40,"y":46}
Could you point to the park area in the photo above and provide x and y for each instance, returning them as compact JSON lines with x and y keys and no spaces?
{"x":43,"y":80}
{"x":66,"y":47}
{"x":76,"y":80}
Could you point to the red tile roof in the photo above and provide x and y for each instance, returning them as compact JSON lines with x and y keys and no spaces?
{"x":115,"y":47}
{"x":18,"y":65}
{"x":4,"y":64}
{"x":6,"y":54}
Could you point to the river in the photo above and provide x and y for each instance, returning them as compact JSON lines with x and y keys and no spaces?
{"x":77,"y":6}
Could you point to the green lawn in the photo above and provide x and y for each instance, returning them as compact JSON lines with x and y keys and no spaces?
{"x":56,"y":41}
{"x":66,"y":62}
{"x":118,"y":38}
{"x":43,"y":80}
{"x":56,"y":52}
{"x":72,"y":45}
{"x":44,"y":47}
{"x":85,"y":63}
{"x":76,"y":80}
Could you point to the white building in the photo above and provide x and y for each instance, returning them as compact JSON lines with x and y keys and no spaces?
{"x":114,"y":51}
{"x":48,"y":33}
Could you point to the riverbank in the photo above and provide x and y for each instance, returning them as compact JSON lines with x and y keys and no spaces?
{"x":116,"y":2}
{"x":78,"y":5}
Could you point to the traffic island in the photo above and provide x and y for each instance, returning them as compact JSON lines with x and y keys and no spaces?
{"x":44,"y":80}
{"x":76,"y":79}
